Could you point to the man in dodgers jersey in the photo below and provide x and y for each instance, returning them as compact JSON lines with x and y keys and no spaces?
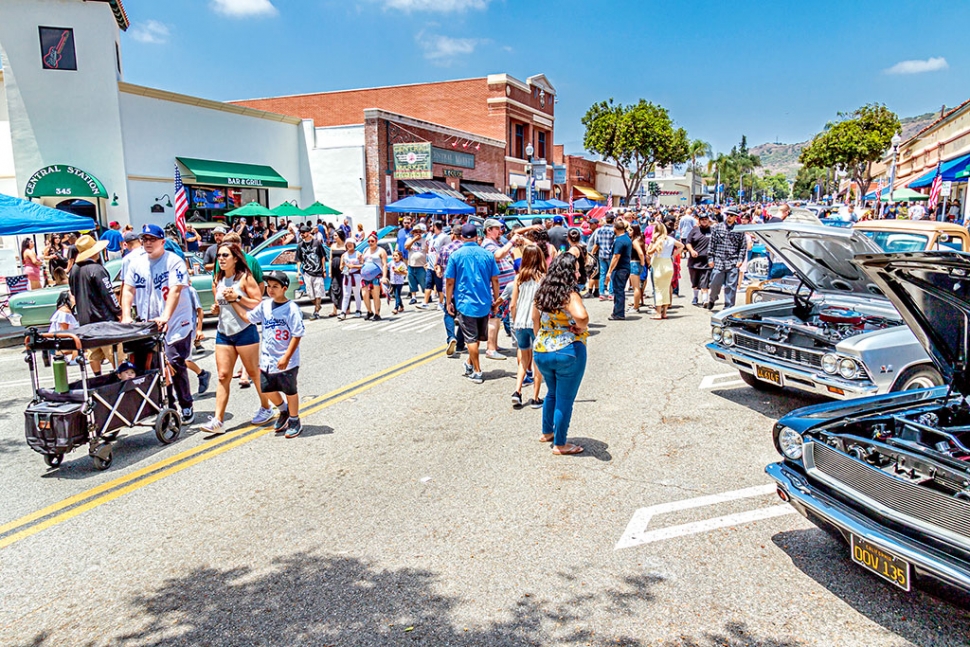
{"x":154,"y":282}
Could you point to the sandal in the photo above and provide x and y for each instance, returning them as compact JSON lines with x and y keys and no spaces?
{"x":245,"y":384}
{"x":544,"y":438}
{"x":567,"y":450}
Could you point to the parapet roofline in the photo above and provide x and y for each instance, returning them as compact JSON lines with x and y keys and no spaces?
{"x":379,"y":87}
{"x":380,"y":113}
{"x":165,"y":95}
{"x":118,"y":9}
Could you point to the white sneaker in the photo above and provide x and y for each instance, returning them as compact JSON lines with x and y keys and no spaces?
{"x":213,"y":426}
{"x":263,"y":416}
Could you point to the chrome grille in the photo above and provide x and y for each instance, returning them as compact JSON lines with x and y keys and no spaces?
{"x":893,"y":497}
{"x":778,"y":351}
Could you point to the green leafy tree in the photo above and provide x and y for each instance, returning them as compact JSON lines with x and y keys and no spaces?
{"x":854,"y":143}
{"x":807,"y":179}
{"x":635,"y":138}
{"x":740,"y":162}
{"x":695,"y":149}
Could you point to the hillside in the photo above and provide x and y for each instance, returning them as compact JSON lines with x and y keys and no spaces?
{"x":783,"y":158}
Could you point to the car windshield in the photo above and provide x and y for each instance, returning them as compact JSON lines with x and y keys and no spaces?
{"x":894,"y":241}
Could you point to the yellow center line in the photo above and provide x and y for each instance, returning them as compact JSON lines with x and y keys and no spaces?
{"x":113,"y":489}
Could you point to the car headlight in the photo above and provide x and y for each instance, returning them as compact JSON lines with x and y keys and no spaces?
{"x":848,"y":368}
{"x":790,"y":443}
{"x":830,"y":363}
{"x":757,"y":297}
{"x":716,"y":333}
{"x":727,"y":337}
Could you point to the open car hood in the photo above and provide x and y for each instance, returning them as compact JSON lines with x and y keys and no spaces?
{"x":931,"y":290}
{"x":820,"y":256}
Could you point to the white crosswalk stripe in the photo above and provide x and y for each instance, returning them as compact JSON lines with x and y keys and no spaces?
{"x":418,"y":321}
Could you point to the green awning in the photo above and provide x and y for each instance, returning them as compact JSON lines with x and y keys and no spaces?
{"x":215,"y":173}
{"x":64,"y":181}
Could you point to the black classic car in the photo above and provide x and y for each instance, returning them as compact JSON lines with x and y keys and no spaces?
{"x":891,"y":473}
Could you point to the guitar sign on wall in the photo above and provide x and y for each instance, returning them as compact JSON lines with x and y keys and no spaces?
{"x":57,"y":48}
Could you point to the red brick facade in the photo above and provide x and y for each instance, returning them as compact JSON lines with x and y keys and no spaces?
{"x":498,"y":107}
{"x":382,"y":130}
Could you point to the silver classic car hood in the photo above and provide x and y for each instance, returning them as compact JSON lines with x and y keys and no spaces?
{"x":931,"y":290}
{"x":821,"y":256}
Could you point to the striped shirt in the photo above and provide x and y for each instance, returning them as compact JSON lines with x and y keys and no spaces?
{"x":506,"y":269}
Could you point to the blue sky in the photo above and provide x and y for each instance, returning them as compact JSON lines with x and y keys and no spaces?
{"x":769,"y":70}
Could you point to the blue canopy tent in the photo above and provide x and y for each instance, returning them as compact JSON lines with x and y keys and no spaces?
{"x":558,"y":204}
{"x":430,"y":203}
{"x":537,"y":205}
{"x":23,"y":218}
{"x":948,"y":170}
{"x":585,"y":204}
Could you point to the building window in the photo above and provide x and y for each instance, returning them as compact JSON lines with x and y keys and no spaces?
{"x":519,"y":141}
{"x":542,"y":145}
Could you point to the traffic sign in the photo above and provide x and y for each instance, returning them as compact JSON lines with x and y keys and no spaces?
{"x":945,"y":188}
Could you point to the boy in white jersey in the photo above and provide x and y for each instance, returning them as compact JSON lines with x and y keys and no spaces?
{"x":279,"y":352}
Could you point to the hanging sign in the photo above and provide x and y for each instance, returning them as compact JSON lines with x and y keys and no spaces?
{"x":412,"y":161}
{"x":63,"y":180}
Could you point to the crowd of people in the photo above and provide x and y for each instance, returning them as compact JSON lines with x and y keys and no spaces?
{"x":530,"y":282}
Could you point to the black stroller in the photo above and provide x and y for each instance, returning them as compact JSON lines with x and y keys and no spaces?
{"x":94,"y":409}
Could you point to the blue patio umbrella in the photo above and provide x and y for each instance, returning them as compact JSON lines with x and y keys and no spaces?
{"x":23,"y":217}
{"x":537,"y":205}
{"x":429,"y":203}
{"x":558,"y":204}
{"x":585,"y":204}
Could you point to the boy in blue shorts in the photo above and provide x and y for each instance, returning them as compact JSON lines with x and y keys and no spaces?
{"x":279,"y":352}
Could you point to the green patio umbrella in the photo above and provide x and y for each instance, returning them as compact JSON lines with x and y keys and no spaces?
{"x":287,"y":210}
{"x":250,"y":210}
{"x":903,"y":195}
{"x":317,"y":209}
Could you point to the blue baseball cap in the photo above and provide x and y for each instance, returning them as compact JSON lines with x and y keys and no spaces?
{"x":558,"y":220}
{"x":154,"y":231}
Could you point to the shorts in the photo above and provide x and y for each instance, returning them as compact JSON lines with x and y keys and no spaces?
{"x":635,"y":268}
{"x":283,"y":382}
{"x":374,"y":283}
{"x":503,"y":310}
{"x":96,"y":357}
{"x":524,"y":338}
{"x":314,"y":286}
{"x":245,"y":337}
{"x":700,"y":277}
{"x":434,"y":282}
{"x":473,"y":328}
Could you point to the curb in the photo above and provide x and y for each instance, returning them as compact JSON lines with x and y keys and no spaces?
{"x":12,"y":340}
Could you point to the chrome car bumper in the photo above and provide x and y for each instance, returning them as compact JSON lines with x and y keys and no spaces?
{"x":830,"y":386}
{"x":810,"y":502}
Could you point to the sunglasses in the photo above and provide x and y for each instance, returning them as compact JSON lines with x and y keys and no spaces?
{"x":223,"y":255}
{"x":149,"y":239}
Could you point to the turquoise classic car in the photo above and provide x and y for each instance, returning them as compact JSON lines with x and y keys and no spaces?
{"x":35,"y":308}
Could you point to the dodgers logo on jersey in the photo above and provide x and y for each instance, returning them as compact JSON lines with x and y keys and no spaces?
{"x":160,"y":280}
{"x":139,"y":280}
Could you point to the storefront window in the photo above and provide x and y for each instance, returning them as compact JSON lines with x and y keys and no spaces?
{"x":519,"y":141}
{"x":542,"y":145}
{"x":209,"y":202}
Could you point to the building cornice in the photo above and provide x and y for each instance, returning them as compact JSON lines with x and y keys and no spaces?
{"x":549,"y":120}
{"x":505,"y":79}
{"x":378,"y":113}
{"x":164,"y":95}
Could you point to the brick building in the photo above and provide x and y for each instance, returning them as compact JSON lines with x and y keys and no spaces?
{"x":497,"y":108}
{"x":580,"y":176}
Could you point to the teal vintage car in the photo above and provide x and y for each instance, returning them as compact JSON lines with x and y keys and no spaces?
{"x":36,"y":307}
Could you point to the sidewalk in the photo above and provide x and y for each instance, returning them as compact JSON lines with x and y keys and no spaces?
{"x":10,"y":335}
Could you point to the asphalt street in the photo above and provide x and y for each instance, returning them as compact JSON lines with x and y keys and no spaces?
{"x":420,"y":508}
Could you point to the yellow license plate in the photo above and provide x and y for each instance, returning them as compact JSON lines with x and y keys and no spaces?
{"x":768,"y":375}
{"x":884,"y":564}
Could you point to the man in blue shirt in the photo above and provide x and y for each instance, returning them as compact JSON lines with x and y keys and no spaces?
{"x":471,"y":289}
{"x":114,"y":238}
{"x":619,"y":269}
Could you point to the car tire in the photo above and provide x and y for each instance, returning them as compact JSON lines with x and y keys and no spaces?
{"x":918,"y":377}
{"x":755,"y":383}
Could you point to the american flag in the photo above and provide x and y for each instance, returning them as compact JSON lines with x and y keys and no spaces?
{"x":609,"y":201}
{"x":935,"y":190}
{"x":181,"y":202}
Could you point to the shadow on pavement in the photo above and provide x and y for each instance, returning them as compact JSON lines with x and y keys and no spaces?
{"x":917,"y":616}
{"x":772,"y":405}
{"x":592,"y":448}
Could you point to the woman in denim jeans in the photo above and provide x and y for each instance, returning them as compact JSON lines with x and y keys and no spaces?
{"x":560,"y":321}
{"x":531,"y":269}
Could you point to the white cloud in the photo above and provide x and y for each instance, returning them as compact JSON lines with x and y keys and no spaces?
{"x":441,"y":6}
{"x":150,"y":31}
{"x":244,"y":8}
{"x":442,"y":50}
{"x":918,"y":67}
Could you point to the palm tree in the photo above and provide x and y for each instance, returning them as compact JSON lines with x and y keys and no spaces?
{"x":716,"y":166}
{"x":696,"y":148}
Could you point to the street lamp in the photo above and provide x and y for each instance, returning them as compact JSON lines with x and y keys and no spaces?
{"x":892,"y":170}
{"x":529,"y":150}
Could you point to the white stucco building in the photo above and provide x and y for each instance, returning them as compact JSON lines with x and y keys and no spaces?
{"x":75,"y":135}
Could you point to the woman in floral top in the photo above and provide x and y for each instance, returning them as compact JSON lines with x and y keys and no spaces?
{"x":560,"y":322}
